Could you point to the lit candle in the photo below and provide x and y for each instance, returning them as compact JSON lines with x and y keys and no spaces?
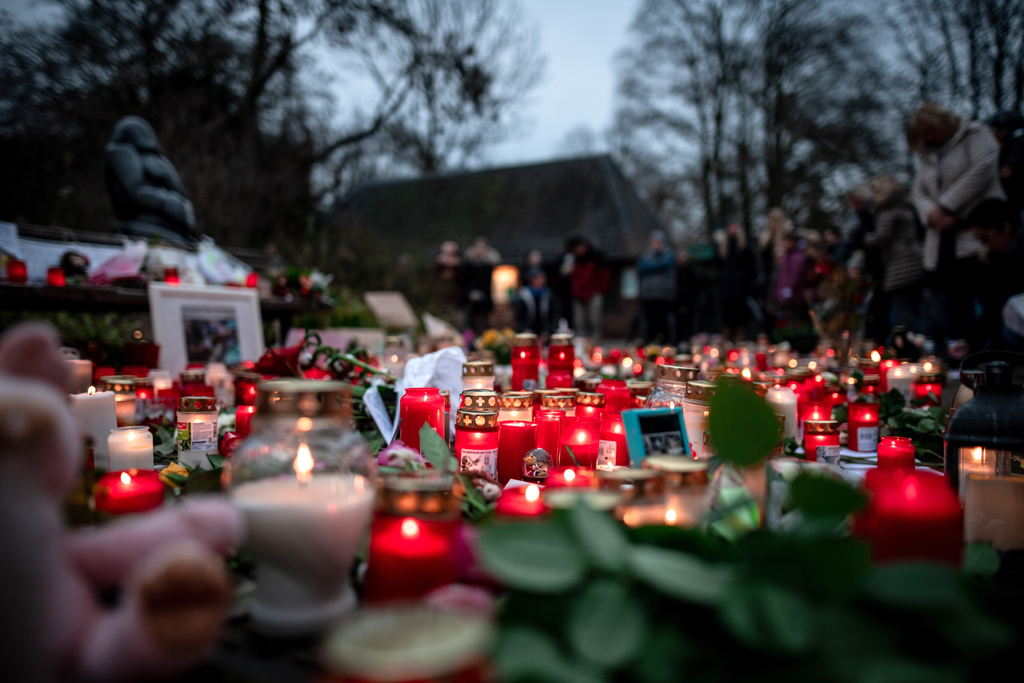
{"x":815,"y":411}
{"x":245,"y":387}
{"x":562,"y":403}
{"x":612,"y":448}
{"x":975,"y":460}
{"x":515,"y":439}
{"x":171,"y":276}
{"x":582,"y":438}
{"x":525,"y":362}
{"x":419,"y":406}
{"x":516,"y":406}
{"x":882,"y":373}
{"x":590,"y":405}
{"x":476,"y":440}
{"x":570,"y":477}
{"x":95,"y":416}
{"x":862,"y":423}
{"x":81,"y":375}
{"x":561,"y":362}
{"x":901,"y":378}
{"x":928,"y":388}
{"x":55,"y":276}
{"x":993,"y":510}
{"x":131,"y":491}
{"x":895,"y":453}
{"x":129,"y":448}
{"x":478,"y":375}
{"x":821,"y":441}
{"x":549,"y":430}
{"x":638,"y":392}
{"x":243,"y":420}
{"x":783,"y":402}
{"x":197,"y":431}
{"x":521,"y":502}
{"x":616,"y":393}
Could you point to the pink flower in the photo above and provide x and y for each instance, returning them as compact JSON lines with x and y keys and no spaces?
{"x":401,"y":455}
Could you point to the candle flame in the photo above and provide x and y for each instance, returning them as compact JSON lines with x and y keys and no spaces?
{"x":131,"y":435}
{"x":910,"y":490}
{"x":532,"y":493}
{"x":812,"y":365}
{"x":410,"y":528}
{"x":125,"y":479}
{"x":927,"y":367}
{"x":876,"y":356}
{"x":394,"y":358}
{"x":303,"y":464}
{"x":304,"y":424}
{"x":792,"y":362}
{"x":569,"y":475}
{"x":627,"y":362}
{"x":92,"y":390}
{"x":977,"y":453}
{"x":746,"y":373}
{"x":670,"y":516}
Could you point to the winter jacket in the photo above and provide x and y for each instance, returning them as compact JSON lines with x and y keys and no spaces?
{"x":895,"y":236}
{"x":957,"y":177}
{"x":534,"y":311}
{"x":737,"y":268}
{"x":789,"y":285}
{"x":657,"y":273}
{"x":590,"y":276}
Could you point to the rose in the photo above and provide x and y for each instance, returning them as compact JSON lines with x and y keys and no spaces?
{"x":401,"y":455}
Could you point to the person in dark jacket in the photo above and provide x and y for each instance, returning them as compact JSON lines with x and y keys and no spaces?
{"x":737,"y":270}
{"x":994,"y":222}
{"x":896,"y":237}
{"x":1009,"y":130}
{"x":588,"y":277}
{"x":534,"y":305}
{"x":477,"y":269}
{"x":656,"y":270}
{"x":687,"y":286}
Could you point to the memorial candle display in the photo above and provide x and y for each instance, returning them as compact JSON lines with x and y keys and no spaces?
{"x":521,"y":502}
{"x":127,"y":492}
{"x":572,"y":477}
{"x":515,"y":439}
{"x":815,"y":411}
{"x":862,"y":421}
{"x":582,"y":436}
{"x":129,"y":448}
{"x":243,"y":420}
{"x":525,"y":362}
{"x":95,"y":416}
{"x":549,"y":431}
{"x":515,"y":405}
{"x":478,"y":374}
{"x":928,"y":388}
{"x":611,"y":447}
{"x":639,"y":391}
{"x":419,"y":406}
{"x":616,"y":394}
{"x":821,"y":441}
{"x":197,"y":431}
{"x":561,"y":361}
{"x":895,"y":453}
{"x":476,"y":440}
{"x":783,"y":402}
{"x":589,"y":404}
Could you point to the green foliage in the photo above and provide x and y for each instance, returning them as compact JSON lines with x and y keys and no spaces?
{"x":349,"y":311}
{"x":923,"y":425}
{"x":744,"y":428}
{"x":107,"y":333}
{"x":819,"y":496}
{"x":436,"y":451}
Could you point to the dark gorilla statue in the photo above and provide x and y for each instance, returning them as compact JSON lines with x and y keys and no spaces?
{"x":145,"y":190}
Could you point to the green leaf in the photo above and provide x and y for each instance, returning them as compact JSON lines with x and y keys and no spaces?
{"x":743,"y":427}
{"x":981,"y":559}
{"x":525,"y":654}
{"x":537,"y":558}
{"x":572,"y":455}
{"x":819,"y":496}
{"x":768,"y":616}
{"x":203,"y":481}
{"x":435,"y":450}
{"x":602,"y":538}
{"x":915,"y":586}
{"x":216,"y":460}
{"x":607,"y":625}
{"x":681,"y":576}
{"x":178,"y":479}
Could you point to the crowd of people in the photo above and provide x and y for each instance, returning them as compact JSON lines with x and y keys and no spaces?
{"x":942,"y":256}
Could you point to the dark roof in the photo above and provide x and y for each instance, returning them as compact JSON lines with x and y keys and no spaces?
{"x":518,"y":208}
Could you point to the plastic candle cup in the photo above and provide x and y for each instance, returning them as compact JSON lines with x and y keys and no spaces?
{"x":197,"y":431}
{"x":549,"y":431}
{"x":522,"y":502}
{"x":243,"y":420}
{"x":419,"y":406}
{"x":515,"y":405}
{"x":928,"y":388}
{"x":525,"y":362}
{"x":611,"y":447}
{"x":129,"y":448}
{"x":562,"y":403}
{"x":478,"y":374}
{"x":590,"y":405}
{"x":616,"y":393}
{"x":882,"y":372}
{"x":17,"y":272}
{"x":515,"y":439}
{"x":862,"y":423}
{"x":55,"y":276}
{"x":582,"y":437}
{"x":193,"y":383}
{"x":561,"y":361}
{"x":815,"y":388}
{"x":476,"y":440}
{"x":130,"y":491}
{"x":821,"y":441}
{"x":816,"y":411}
{"x":783,"y":402}
{"x":123,"y":387}
{"x":695,"y":417}
{"x":895,"y":453}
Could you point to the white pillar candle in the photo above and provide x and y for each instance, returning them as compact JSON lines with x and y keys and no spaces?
{"x":783,"y":402}
{"x":901,"y":378}
{"x":95,"y":414}
{"x":129,"y":448}
{"x":81,"y":375}
{"x":304,"y":535}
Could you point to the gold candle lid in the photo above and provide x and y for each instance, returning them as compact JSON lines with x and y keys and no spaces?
{"x":484,"y":420}
{"x":558,"y":402}
{"x":800,"y":373}
{"x":304,"y":398}
{"x":676,"y":374}
{"x":478,"y":368}
{"x":700,"y":391}
{"x":524,"y":339}
{"x":560,"y":339}
{"x":761,"y":388}
{"x":427,"y":495}
{"x":515,"y":400}
{"x":679,"y":470}
{"x":586,"y":398}
{"x":118,"y":383}
{"x":821,"y":427}
{"x":644,"y":483}
{"x":639,"y":387}
{"x":479,"y":399}
{"x":193,"y":375}
{"x":928,"y":377}
{"x":197,"y":404}
{"x":588,"y":383}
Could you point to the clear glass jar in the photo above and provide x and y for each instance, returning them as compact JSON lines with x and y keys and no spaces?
{"x":394,"y":355}
{"x":478,"y":374}
{"x":123,"y":387}
{"x":197,"y":431}
{"x":304,"y":481}
{"x":695,"y":416}
{"x":669,"y":389}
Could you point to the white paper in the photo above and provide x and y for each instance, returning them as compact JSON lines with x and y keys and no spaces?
{"x":378,"y":411}
{"x":9,"y":240}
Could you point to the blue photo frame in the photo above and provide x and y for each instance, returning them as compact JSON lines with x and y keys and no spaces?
{"x":669,"y":426}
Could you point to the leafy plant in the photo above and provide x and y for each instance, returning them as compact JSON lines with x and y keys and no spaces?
{"x":437,"y":453}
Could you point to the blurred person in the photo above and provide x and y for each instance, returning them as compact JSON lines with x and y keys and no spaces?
{"x":1008,"y":128}
{"x":737,"y":273}
{"x":789,"y":300}
{"x":860,"y":224}
{"x":534,"y":305}
{"x":835,"y":245}
{"x":957,"y":167}
{"x":770,"y":250}
{"x":588,"y":278}
{"x":448,"y":280}
{"x":656,"y":270}
{"x":477,"y":269}
{"x":995,"y":223}
{"x":896,"y":236}
{"x":687,"y":288}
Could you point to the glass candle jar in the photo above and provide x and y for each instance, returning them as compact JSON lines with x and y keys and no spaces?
{"x":688,"y":489}
{"x":243,"y":420}
{"x":193,"y":383}
{"x":862,"y":420}
{"x":814,"y":388}
{"x":901,"y":378}
{"x":582,"y":436}
{"x":17,"y":271}
{"x":564,"y":404}
{"x":525,"y":362}
{"x":639,"y":390}
{"x":539,"y":394}
{"x":695,"y":417}
{"x":821,"y":441}
{"x":393,"y":356}
{"x":928,"y":388}
{"x":616,"y":393}
{"x":895,"y":453}
{"x":515,"y":440}
{"x":882,"y":371}
{"x":480,"y":399}
{"x":783,"y":402}
{"x":197,"y":431}
{"x":670,"y":386}
{"x":611,"y":447}
{"x":815,"y":411}
{"x":129,"y":448}
{"x":476,"y":441}
{"x":521,"y":504}
{"x":412,"y":538}
{"x":549,"y":432}
{"x":515,"y":405}
{"x":589,"y":404}
{"x":419,"y":406}
{"x":588,"y":383}
{"x":478,"y":374}
{"x":171,"y":276}
{"x":55,"y":276}
{"x":245,"y":387}
{"x":561,"y":360}
{"x":123,"y":387}
{"x":128,"y":492}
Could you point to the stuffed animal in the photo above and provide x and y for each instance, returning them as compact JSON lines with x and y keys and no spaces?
{"x":163,"y":572}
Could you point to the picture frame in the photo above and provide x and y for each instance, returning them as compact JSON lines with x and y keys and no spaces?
{"x":655,"y":430}
{"x":202,"y":324}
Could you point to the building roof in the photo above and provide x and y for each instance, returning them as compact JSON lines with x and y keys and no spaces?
{"x":518,"y":208}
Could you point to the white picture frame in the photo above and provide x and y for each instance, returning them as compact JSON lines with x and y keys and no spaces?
{"x":208,"y":323}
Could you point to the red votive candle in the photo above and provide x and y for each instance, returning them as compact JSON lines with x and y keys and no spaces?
{"x":515,"y":439}
{"x":243,"y":420}
{"x":561,"y":360}
{"x":252,"y":279}
{"x":409,"y":556}
{"x":616,"y":395}
{"x":55,"y":276}
{"x":135,"y":370}
{"x":524,"y":501}
{"x":928,"y":388}
{"x":815,"y":411}
{"x":582,"y":435}
{"x":144,"y":389}
{"x":525,"y":362}
{"x":590,"y":405}
{"x":895,"y":453}
{"x":102,"y":371}
{"x":171,"y":276}
{"x":476,"y":440}
{"x":821,"y":441}
{"x":549,"y":431}
{"x":17,"y":271}
{"x":862,"y":421}
{"x":419,"y":406}
{"x":815,"y":389}
{"x":611,"y":446}
{"x":120,"y":493}
{"x":761,"y":359}
{"x":883,"y":371}
{"x":245,"y":388}
{"x":570,"y":476}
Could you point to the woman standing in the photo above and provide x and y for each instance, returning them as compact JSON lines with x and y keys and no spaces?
{"x":897,"y":239}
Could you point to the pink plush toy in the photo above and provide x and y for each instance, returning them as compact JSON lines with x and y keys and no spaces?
{"x":174,"y":591}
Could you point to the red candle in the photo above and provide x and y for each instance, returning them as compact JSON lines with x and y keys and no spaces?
{"x":549,"y":431}
{"x":243,"y":420}
{"x":476,"y":440}
{"x":524,"y":501}
{"x":135,"y":370}
{"x":611,"y":447}
{"x":836,"y":395}
{"x":120,"y":493}
{"x":871,"y":385}
{"x":911,"y":517}
{"x":895,"y":453}
{"x":928,"y":388}
{"x":821,"y":441}
{"x":419,"y":406}
{"x":561,"y":361}
{"x":525,"y":362}
{"x":245,"y":388}
{"x":17,"y":272}
{"x":252,"y":279}
{"x":102,"y":371}
{"x":590,"y":405}
{"x":409,"y":556}
{"x":814,"y":389}
{"x":171,"y":276}
{"x":570,"y":476}
{"x":144,"y":389}
{"x":514,"y":440}
{"x":616,"y":394}
{"x":55,"y":276}
{"x":582,"y":436}
{"x":815,"y":411}
{"x":863,"y":425}
{"x":761,"y":358}
{"x":883,"y":370}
